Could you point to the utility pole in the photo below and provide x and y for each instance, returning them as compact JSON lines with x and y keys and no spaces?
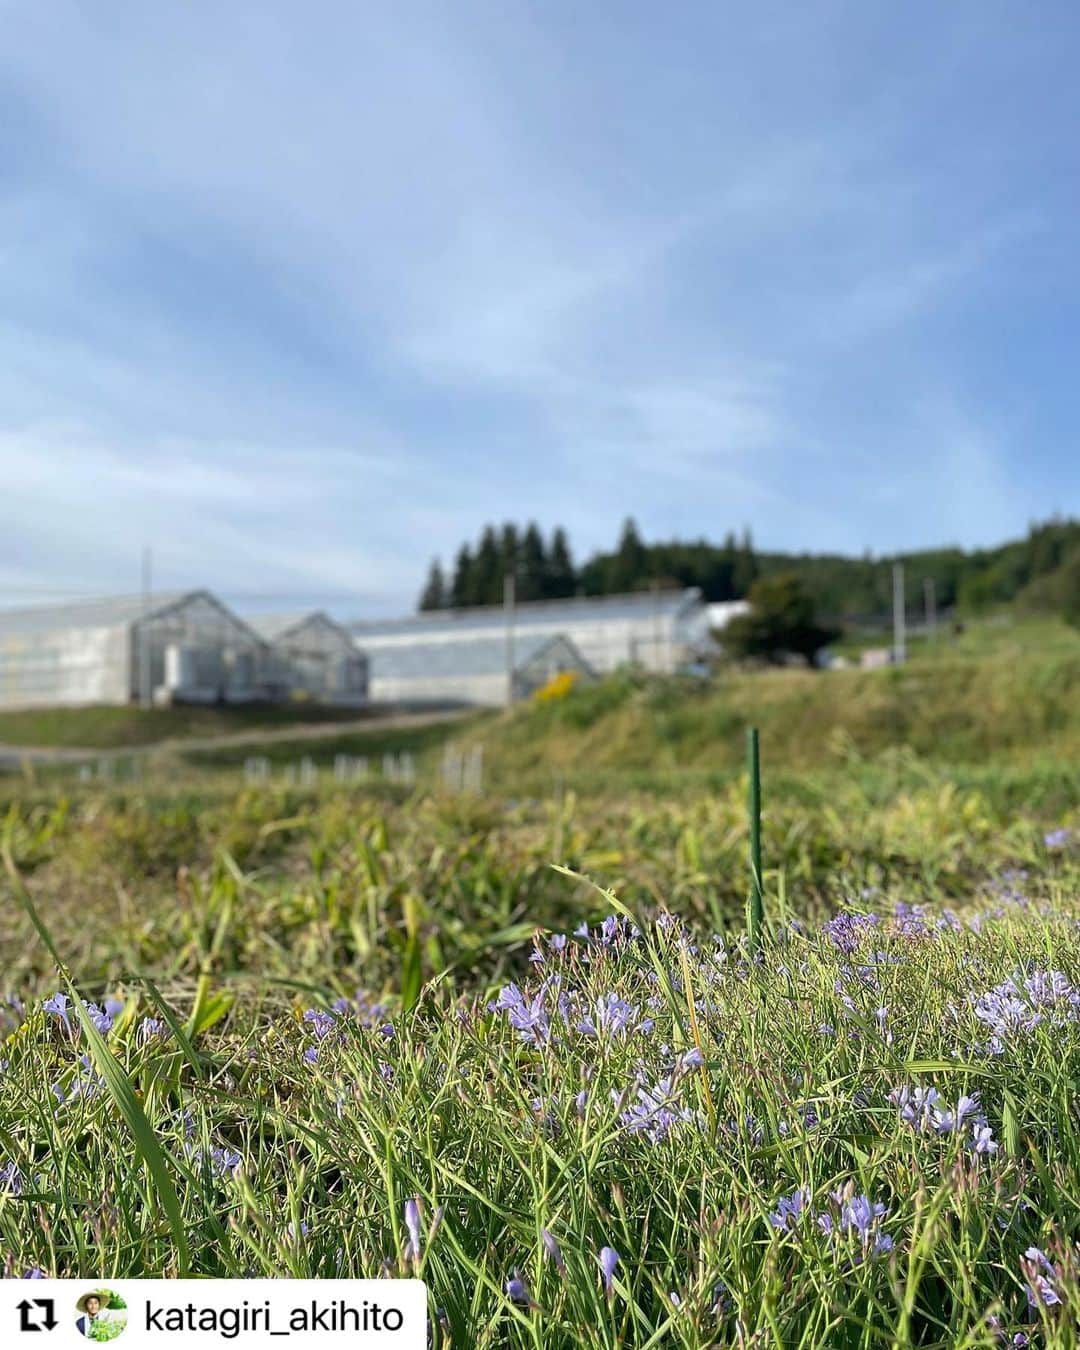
{"x":931,"y":608}
{"x":144,"y":631}
{"x":508,"y":611}
{"x":899,"y":644}
{"x":656,"y":644}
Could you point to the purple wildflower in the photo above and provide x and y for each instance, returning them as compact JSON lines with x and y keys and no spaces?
{"x":1056,"y":838}
{"x":412,"y":1223}
{"x":553,"y":1250}
{"x":845,"y":931}
{"x":788,"y":1210}
{"x":609,"y":1263}
{"x":150,"y":1027}
{"x":1040,"y":1275}
{"x":517,"y":1291}
{"x":529,"y":1017}
{"x":225,"y":1162}
{"x":58,"y":1006}
{"x":10,"y":1180}
{"x":613,"y":1016}
{"x":657,"y":1111}
{"x":321,"y":1023}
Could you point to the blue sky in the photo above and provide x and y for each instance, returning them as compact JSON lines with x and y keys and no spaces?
{"x":304,"y":294}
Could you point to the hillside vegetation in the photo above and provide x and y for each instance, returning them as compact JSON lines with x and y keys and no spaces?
{"x":1012,"y":693}
{"x":106,"y":728}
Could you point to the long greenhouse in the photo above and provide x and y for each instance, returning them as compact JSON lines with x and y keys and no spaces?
{"x":660,"y":630}
{"x":180,"y":647}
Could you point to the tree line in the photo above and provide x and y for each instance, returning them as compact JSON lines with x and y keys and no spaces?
{"x":1038,"y":572}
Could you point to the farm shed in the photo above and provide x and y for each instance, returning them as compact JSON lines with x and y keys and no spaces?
{"x":186,"y":647}
{"x":661,"y":630}
{"x":312,"y":656}
{"x":473,"y":671}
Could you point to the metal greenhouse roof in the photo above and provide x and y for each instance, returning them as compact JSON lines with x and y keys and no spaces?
{"x":109,"y":612}
{"x":275,"y":626}
{"x":477,"y":656}
{"x":579,"y":609}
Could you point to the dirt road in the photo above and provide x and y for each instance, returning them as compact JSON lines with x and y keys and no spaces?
{"x":11,"y":756}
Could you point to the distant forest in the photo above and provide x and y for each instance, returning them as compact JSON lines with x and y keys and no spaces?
{"x":1039,"y":572}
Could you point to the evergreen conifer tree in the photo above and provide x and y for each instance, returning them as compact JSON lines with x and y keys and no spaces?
{"x":434,"y":595}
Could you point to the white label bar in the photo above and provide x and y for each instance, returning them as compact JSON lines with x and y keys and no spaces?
{"x":254,"y":1314}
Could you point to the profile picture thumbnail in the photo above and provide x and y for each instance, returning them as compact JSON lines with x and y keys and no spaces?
{"x":100,"y":1315}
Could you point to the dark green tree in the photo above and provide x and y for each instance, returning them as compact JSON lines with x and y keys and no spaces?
{"x":745,"y":570}
{"x":434,"y":594}
{"x":629,"y":566}
{"x":461,"y":588}
{"x":509,"y":558}
{"x":781,"y":621}
{"x":532,"y":575}
{"x":1071,"y":589}
{"x":488,"y":570}
{"x":561,"y":579}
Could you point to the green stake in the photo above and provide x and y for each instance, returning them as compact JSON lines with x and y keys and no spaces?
{"x":755,"y":912}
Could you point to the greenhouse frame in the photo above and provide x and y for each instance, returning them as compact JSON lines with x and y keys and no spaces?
{"x":473,"y":671}
{"x":311,"y":656}
{"x":659,"y":630}
{"x":181,"y":647}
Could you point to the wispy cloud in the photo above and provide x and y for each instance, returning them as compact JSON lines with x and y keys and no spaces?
{"x":306,"y":299}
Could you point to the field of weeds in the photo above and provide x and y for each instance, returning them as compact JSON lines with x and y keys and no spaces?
{"x":372,"y":1030}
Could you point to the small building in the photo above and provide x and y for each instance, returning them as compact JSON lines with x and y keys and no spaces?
{"x":311,"y":656}
{"x":182,"y":647}
{"x":472,"y":671}
{"x":721,"y":612}
{"x":660,"y":630}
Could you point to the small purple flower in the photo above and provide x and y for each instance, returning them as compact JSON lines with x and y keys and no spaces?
{"x":1056,"y":838}
{"x":860,"y":1213}
{"x":517,"y":1291}
{"x":657,"y":1111}
{"x":10,"y":1180}
{"x":225,"y":1162}
{"x":58,"y":1006}
{"x":149,"y":1028}
{"x":412,"y":1223}
{"x":1040,"y":1275}
{"x":845,"y":931}
{"x":609,"y":1263}
{"x":553,"y":1250}
{"x":788,"y":1210}
{"x":34,"y":1273}
{"x":613,"y":1017}
{"x":102,"y":1020}
{"x":321,"y":1023}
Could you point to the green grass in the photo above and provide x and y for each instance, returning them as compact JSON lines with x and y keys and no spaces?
{"x":301,"y":1166}
{"x":293,"y":1136}
{"x":108,"y":728}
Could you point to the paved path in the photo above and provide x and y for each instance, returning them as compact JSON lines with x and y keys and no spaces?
{"x":13,"y":755}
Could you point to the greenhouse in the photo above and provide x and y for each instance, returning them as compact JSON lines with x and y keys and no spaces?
{"x":660,"y":630}
{"x":167,"y":648}
{"x":473,"y":671}
{"x":311,"y":656}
